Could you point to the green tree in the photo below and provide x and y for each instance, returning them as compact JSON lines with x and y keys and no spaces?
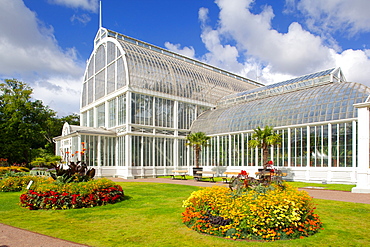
{"x":197,"y":141}
{"x":21,"y":121}
{"x":264,"y":139}
{"x":45,"y":159}
{"x":53,"y":127}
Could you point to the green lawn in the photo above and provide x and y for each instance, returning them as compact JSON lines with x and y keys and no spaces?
{"x":343,"y":187}
{"x":151,"y":216}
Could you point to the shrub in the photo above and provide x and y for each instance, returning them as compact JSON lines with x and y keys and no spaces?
{"x":76,"y":172}
{"x":15,"y":169}
{"x":18,"y":183}
{"x":280,"y":213}
{"x":72,"y":195}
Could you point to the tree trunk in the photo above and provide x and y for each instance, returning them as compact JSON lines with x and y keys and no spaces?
{"x":265,"y":157}
{"x":196,"y":158}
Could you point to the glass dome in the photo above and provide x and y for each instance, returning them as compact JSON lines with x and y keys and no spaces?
{"x":332,"y":101}
{"x":121,"y":61}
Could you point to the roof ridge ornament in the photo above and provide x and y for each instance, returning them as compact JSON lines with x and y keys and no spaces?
{"x":100,"y":16}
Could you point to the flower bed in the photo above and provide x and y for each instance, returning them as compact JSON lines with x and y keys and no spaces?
{"x":13,"y":184}
{"x":72,"y":195}
{"x":4,"y":170}
{"x":279,"y":213}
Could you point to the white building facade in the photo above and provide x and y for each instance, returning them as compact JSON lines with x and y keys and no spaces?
{"x":139,"y":102}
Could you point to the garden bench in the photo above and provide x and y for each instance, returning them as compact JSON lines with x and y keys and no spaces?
{"x":39,"y":173}
{"x":180,"y":173}
{"x":209,"y":175}
{"x":268,"y":174}
{"x":232,"y":174}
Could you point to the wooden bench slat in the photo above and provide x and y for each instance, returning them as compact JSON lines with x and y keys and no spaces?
{"x":225,"y":178}
{"x":200,"y":177}
{"x":179,"y":173}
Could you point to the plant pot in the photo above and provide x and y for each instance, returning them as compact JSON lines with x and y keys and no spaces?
{"x":195,"y":169}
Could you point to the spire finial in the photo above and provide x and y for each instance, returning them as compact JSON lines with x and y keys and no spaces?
{"x":100,"y":16}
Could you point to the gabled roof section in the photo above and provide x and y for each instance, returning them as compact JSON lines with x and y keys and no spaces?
{"x":76,"y":129}
{"x":91,"y":130}
{"x":299,"y":83}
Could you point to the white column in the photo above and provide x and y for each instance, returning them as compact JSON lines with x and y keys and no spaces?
{"x":329,"y":176}
{"x":242,"y":148}
{"x":363,"y":174}
{"x":99,"y":156}
{"x":230,"y":151}
{"x":176,"y":121}
{"x":289,"y":147}
{"x":218,"y":152}
{"x":128,"y":139}
{"x":308,"y":164}
{"x":128,"y":157}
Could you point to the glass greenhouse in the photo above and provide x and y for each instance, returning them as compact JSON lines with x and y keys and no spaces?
{"x":140,"y":101}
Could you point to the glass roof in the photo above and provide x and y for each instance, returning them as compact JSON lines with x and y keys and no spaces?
{"x":156,"y":69}
{"x":326,"y":76}
{"x":327,"y":102}
{"x":116,"y":35}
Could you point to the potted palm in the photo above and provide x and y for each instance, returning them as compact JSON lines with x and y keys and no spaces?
{"x":197,"y":141}
{"x":264,"y":139}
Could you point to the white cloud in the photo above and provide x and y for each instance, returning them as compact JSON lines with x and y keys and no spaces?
{"x":295,"y":52}
{"x":62,"y":94}
{"x":259,"y":51}
{"x":84,"y":18}
{"x":186,"y":51}
{"x":90,"y":5}
{"x":30,"y":53}
{"x":355,"y":65}
{"x":348,"y":17}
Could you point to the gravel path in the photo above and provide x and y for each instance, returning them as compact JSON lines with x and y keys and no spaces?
{"x":16,"y":237}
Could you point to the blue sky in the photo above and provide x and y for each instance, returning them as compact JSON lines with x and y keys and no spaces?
{"x":46,"y":43}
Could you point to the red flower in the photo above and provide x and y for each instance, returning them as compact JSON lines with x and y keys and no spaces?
{"x":243,"y":173}
{"x":74,"y":196}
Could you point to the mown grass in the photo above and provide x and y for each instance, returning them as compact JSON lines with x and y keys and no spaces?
{"x":342,"y":187}
{"x":151,"y":216}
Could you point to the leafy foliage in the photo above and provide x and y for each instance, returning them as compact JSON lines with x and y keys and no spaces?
{"x":197,"y":141}
{"x":72,"y":195}
{"x":18,"y":183}
{"x":26,"y":125}
{"x":76,"y":172}
{"x":264,"y":138}
{"x":12,"y":169}
{"x":265,"y":181}
{"x":282,"y":212}
{"x":45,"y":159}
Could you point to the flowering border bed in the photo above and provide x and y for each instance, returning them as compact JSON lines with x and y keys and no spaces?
{"x":281,"y":213}
{"x":72,"y":195}
{"x":13,"y":184}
